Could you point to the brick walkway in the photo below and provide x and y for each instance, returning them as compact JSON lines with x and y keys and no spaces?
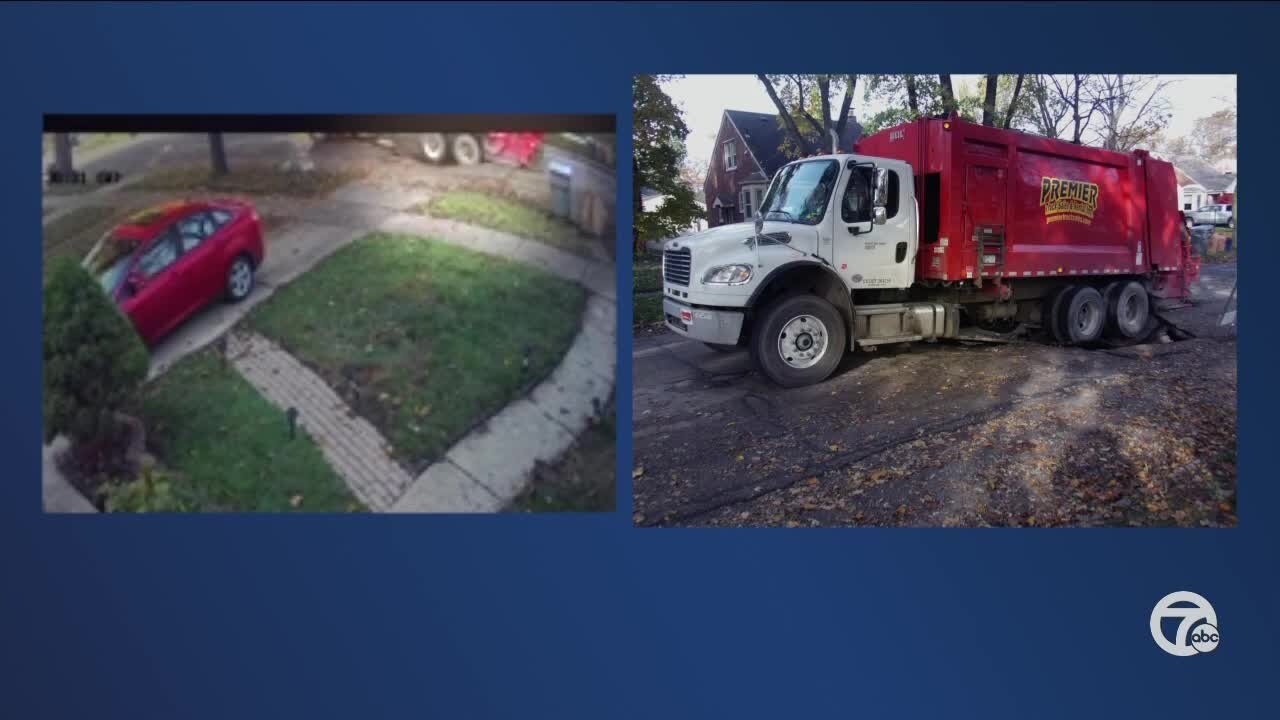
{"x":353,"y":447}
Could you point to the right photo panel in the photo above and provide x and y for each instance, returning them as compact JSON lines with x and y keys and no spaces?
{"x":934,"y":300}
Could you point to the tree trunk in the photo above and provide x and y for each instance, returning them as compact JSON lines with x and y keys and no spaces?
{"x":218,"y":154}
{"x":843,"y":121}
{"x":913,"y":102}
{"x":62,"y":155}
{"x":989,"y":101}
{"x":787,"y":121}
{"x":1075,"y":109}
{"x":637,"y":208}
{"x":948,"y":94}
{"x":1013,"y":103}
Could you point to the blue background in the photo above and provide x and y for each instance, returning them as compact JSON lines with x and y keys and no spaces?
{"x":562,"y":616}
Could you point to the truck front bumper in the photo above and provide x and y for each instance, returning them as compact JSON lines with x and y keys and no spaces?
{"x":721,"y":327}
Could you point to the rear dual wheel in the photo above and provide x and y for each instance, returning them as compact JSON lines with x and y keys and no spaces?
{"x":1080,"y":314}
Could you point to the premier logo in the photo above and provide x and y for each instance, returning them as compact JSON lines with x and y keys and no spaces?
{"x":1071,"y":200}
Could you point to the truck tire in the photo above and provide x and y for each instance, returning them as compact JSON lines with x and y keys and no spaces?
{"x":798,"y":340}
{"x":466,"y":149}
{"x":1051,"y":314}
{"x":1084,"y":315}
{"x":1128,"y":311}
{"x":433,"y":147}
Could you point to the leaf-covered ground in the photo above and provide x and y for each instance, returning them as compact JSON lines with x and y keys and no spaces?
{"x":946,"y":435}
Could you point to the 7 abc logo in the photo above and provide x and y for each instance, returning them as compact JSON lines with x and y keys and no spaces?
{"x":1197,"y":624}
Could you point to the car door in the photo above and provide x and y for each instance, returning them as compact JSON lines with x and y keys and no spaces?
{"x":200,"y":266}
{"x":153,"y":291}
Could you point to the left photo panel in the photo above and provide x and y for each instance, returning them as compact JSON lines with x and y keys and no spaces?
{"x":405,"y":314}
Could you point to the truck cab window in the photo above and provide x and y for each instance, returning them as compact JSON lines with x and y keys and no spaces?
{"x":801,"y":192}
{"x":855,"y":207}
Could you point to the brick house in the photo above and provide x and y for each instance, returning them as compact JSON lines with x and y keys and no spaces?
{"x":745,"y":158}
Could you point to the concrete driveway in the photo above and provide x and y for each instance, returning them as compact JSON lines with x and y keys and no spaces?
{"x":946,"y":434}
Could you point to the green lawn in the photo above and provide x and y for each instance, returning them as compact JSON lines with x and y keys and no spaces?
{"x":422,"y":338}
{"x":229,"y":449}
{"x":647,"y":278}
{"x":509,"y":216}
{"x":249,"y":180}
{"x":647,"y":270}
{"x":74,"y":233}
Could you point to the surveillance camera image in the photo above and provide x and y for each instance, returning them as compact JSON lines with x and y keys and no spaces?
{"x":405,"y":314}
{"x":935,"y":300}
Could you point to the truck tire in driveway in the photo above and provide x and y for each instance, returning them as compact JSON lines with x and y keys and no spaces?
{"x":1128,"y":310}
{"x":433,"y":147}
{"x":1051,"y":314}
{"x":1084,"y":315}
{"x":466,"y":149}
{"x":798,"y":340}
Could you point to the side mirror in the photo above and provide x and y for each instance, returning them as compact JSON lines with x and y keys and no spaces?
{"x":879,"y":215}
{"x":880,"y":194}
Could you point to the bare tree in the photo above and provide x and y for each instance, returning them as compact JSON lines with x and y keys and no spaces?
{"x":1013,"y":103}
{"x":913,"y":97}
{"x":218,"y":154}
{"x":799,"y":97}
{"x":1132,"y":109}
{"x":948,"y":94}
{"x":62,"y":155}
{"x":989,"y":100}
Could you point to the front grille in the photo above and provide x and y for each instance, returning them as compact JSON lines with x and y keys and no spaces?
{"x":675,"y":266}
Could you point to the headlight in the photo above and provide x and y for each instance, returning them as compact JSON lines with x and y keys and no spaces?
{"x":727,"y":275}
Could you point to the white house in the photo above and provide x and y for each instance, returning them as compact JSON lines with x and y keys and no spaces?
{"x":651,"y":200}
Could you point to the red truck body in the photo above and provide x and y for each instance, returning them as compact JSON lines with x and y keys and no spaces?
{"x":1000,"y":204}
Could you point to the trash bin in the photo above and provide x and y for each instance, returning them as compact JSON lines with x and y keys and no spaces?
{"x":560,"y":175}
{"x":1201,"y":235}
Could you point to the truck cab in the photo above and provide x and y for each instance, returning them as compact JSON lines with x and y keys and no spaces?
{"x":828,"y":227}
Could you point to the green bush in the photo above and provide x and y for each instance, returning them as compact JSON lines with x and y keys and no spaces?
{"x":93,"y":359}
{"x":152,"y":491}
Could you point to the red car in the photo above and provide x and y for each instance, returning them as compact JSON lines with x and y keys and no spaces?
{"x":167,"y":262}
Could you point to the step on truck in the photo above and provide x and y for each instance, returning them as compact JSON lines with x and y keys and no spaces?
{"x":936,"y":228}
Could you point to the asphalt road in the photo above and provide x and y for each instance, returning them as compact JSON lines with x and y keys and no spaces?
{"x":946,"y":434}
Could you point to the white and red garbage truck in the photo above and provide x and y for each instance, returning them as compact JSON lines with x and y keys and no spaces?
{"x":936,"y":228}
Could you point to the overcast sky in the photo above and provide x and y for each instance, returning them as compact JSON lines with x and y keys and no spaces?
{"x":704,"y":97}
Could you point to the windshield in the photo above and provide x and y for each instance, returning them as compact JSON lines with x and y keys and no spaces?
{"x":109,"y":259}
{"x":801,"y":191}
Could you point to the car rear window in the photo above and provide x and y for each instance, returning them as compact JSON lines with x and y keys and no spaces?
{"x":109,"y":259}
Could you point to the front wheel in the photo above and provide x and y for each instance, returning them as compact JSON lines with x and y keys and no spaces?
{"x":239,"y":279}
{"x":798,"y":341}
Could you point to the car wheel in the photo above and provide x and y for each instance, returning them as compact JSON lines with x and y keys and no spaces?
{"x":239,"y":279}
{"x":466,"y":149}
{"x":799,"y":341}
{"x":1128,"y":310}
{"x":433,"y":147}
{"x":1084,"y":316}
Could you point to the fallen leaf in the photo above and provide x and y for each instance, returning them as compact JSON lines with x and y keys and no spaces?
{"x":637,"y":472}
{"x":296,"y":501}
